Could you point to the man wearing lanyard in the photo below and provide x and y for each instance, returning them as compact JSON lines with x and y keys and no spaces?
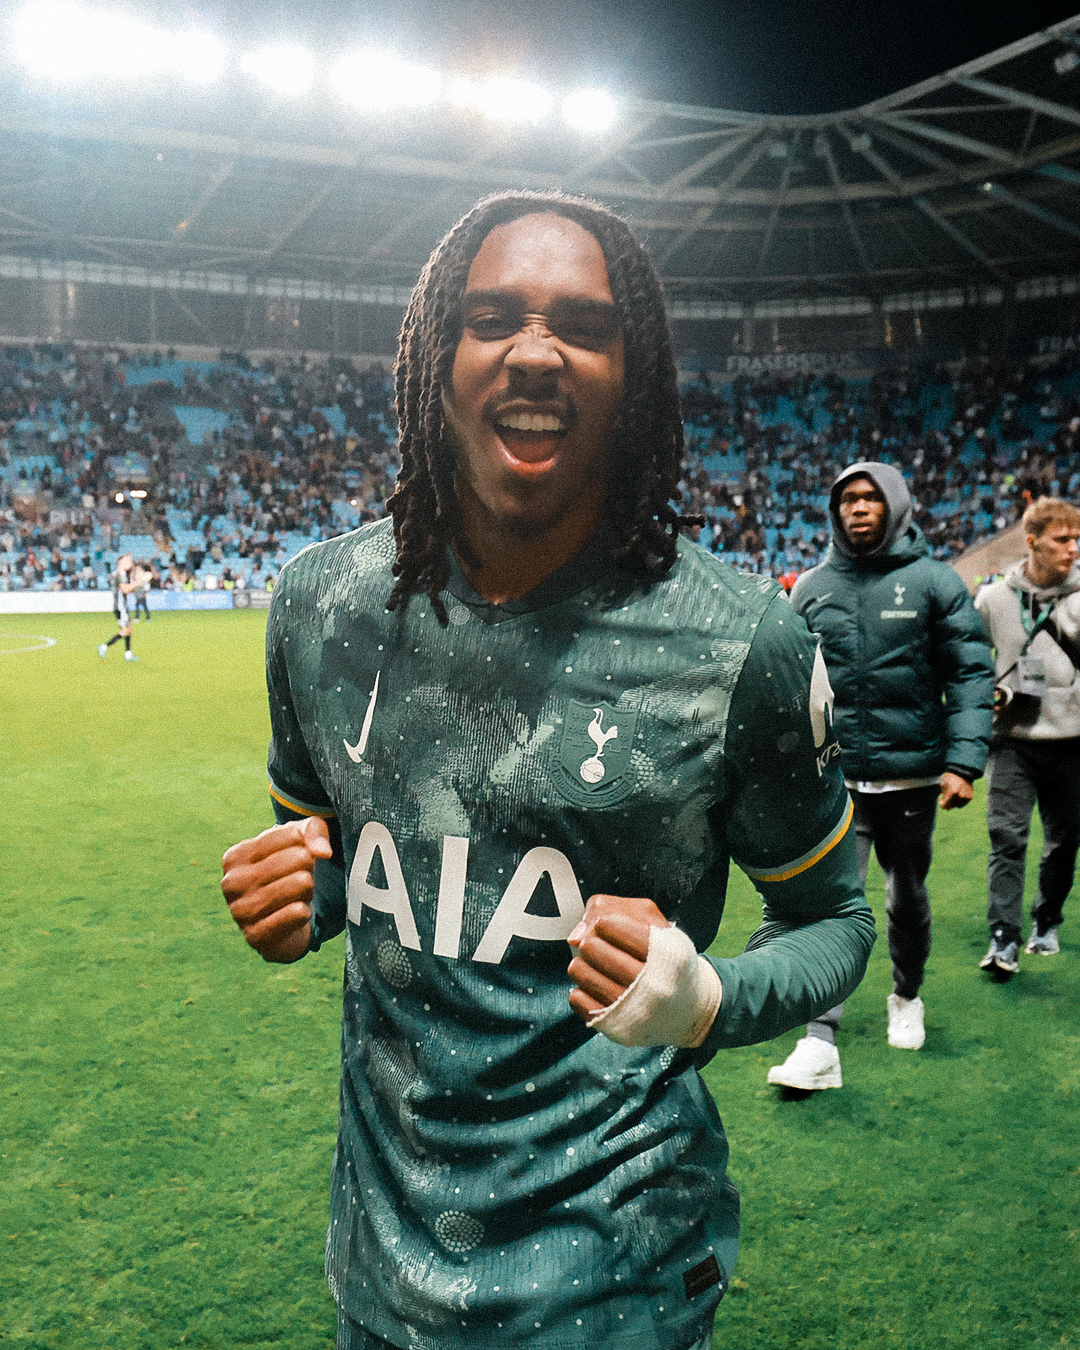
{"x":1033,"y":619}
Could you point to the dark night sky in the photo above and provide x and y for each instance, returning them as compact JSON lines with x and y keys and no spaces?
{"x":765,"y":56}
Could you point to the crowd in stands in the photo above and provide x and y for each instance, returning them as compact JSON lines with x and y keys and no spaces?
{"x":976,"y":441}
{"x":216,"y":472}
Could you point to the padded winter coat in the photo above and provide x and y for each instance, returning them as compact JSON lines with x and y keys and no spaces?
{"x":908,"y":661}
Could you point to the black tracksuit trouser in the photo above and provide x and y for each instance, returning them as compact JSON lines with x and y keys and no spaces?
{"x":899,"y":827}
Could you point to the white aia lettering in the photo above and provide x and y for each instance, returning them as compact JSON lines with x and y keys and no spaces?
{"x":511,"y":918}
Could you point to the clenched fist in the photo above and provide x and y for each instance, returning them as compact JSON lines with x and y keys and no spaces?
{"x":611,"y":944}
{"x":269,"y":882}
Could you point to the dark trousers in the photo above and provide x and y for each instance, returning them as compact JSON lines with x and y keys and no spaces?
{"x":351,"y":1336}
{"x":899,"y":827}
{"x":1022,"y":773}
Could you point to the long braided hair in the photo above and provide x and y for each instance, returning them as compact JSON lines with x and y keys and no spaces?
{"x":647,"y":449}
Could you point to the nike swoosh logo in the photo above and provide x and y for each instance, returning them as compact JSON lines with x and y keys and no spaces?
{"x":356,"y":752}
{"x":820,"y":599}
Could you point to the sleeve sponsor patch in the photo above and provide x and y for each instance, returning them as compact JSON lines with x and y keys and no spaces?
{"x":702,"y":1277}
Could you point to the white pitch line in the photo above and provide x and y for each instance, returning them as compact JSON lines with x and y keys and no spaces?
{"x":39,"y":640}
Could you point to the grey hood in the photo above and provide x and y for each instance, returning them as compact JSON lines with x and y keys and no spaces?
{"x":890,"y":483}
{"x":1016,"y":576}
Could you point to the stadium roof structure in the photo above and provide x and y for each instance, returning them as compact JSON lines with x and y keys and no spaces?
{"x":966,"y":183}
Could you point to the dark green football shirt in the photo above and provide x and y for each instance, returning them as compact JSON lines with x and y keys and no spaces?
{"x":504,"y":1175}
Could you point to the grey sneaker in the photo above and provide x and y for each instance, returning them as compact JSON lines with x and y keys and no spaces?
{"x":1043,"y":944}
{"x":1001,"y":959}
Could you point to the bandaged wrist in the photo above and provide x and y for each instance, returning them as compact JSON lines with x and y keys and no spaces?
{"x":673,"y":1001}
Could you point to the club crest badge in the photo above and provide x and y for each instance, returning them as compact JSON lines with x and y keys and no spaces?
{"x":593,"y":765}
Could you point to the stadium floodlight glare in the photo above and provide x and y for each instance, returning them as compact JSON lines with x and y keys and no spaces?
{"x":62,"y":41}
{"x":198,"y":57}
{"x":508,"y":99}
{"x":461,"y":93}
{"x":282,"y":68}
{"x":381,"y":82}
{"x":589,"y":110}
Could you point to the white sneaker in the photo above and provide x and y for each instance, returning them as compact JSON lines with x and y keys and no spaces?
{"x":906,"y":1030}
{"x":1043,"y":944}
{"x":812,"y":1065}
{"x":103,"y":648}
{"x":130,"y":656}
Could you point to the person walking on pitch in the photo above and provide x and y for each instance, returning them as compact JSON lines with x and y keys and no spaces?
{"x":1033,"y":618}
{"x":122,"y":587}
{"x":907,"y":657}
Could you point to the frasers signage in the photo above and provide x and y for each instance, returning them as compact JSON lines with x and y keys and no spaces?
{"x":796,"y":363}
{"x":251,"y":599}
{"x":1053,"y":346}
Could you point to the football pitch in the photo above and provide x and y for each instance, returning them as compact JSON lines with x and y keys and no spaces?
{"x":168,"y":1102}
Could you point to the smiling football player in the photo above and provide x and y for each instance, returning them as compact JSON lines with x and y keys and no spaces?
{"x":519,"y":732}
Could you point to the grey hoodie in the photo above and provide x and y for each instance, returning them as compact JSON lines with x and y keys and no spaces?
{"x":890,"y":483}
{"x":999,"y":605}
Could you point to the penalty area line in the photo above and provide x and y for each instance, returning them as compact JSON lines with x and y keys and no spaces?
{"x":39,"y":641}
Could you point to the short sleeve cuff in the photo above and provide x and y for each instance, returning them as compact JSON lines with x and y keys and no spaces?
{"x":785,"y":871}
{"x":296,"y":803}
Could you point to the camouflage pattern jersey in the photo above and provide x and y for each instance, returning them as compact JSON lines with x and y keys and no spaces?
{"x":504,"y":1175}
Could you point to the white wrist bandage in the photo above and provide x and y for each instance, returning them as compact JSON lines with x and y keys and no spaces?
{"x":673,"y":1001}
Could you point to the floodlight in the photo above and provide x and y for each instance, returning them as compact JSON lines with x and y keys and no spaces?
{"x":507,"y":99}
{"x":460,"y":92}
{"x":382,"y":82}
{"x":284,"y":69}
{"x":589,"y":110}
{"x":118,"y":497}
{"x":61,"y":41}
{"x":198,"y":57}
{"x":137,"y":492}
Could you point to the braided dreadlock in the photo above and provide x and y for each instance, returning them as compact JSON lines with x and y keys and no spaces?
{"x":648,"y":440}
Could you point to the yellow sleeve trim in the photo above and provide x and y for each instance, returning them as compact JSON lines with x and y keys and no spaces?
{"x":792,"y":869}
{"x":299,"y":807}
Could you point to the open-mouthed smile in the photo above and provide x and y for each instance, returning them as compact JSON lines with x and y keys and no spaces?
{"x":530,"y":440}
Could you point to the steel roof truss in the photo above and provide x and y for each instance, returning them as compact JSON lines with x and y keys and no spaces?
{"x":1021,"y":100}
{"x":770,"y":229}
{"x":932,"y":213}
{"x":301,"y":217}
{"x":1038,"y":212}
{"x":209,"y":192}
{"x":845,"y":205}
{"x":695,"y":170}
{"x":982,"y":149}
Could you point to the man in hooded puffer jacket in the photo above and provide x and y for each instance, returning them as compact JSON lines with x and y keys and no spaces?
{"x":1033,"y":618}
{"x":911,"y":671}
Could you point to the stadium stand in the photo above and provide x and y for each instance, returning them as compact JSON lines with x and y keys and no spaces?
{"x":216,"y":473}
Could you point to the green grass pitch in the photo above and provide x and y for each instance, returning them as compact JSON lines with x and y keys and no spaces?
{"x":168,"y":1102}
